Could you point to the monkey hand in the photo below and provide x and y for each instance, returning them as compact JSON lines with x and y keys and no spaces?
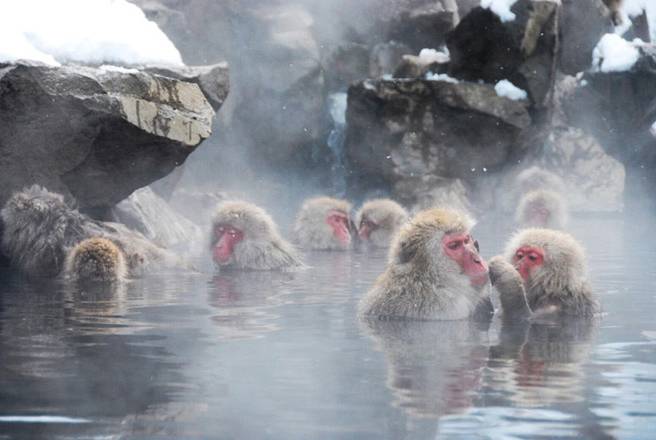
{"x":505,"y":278}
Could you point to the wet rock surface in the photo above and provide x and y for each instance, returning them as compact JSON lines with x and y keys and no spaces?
{"x":94,"y":134}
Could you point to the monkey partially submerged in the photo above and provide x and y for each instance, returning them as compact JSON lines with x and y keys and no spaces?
{"x":434,"y":272}
{"x":245,"y":237}
{"x":541,"y":208}
{"x":96,"y":259}
{"x":542,"y":272}
{"x":323,"y":223}
{"x":40,"y":229}
{"x":379,"y":220}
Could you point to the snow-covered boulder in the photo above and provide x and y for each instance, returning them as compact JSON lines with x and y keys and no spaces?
{"x":95,"y":134}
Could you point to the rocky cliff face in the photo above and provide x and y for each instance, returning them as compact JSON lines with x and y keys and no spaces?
{"x":95,"y":134}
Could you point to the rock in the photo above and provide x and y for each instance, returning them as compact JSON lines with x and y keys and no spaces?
{"x":423,"y":26}
{"x":146,"y":212}
{"x":413,"y":66}
{"x":403,"y":129}
{"x":386,"y":57}
{"x":582,"y":23}
{"x":94,"y":134}
{"x":619,"y":110}
{"x":213,"y":80}
{"x":431,"y":191}
{"x":197,"y":206}
{"x":346,"y":64}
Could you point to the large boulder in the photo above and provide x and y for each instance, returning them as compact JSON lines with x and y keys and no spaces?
{"x":619,"y":109}
{"x":402,"y":129}
{"x":95,"y":134}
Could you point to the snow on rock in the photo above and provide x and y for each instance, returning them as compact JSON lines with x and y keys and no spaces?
{"x":429,"y":56}
{"x":84,"y":31}
{"x":501,"y":8}
{"x":633,"y":8}
{"x":614,"y":54}
{"x":508,"y":90}
{"x":440,"y":77}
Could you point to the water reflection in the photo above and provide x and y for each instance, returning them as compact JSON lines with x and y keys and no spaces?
{"x":433,"y":368}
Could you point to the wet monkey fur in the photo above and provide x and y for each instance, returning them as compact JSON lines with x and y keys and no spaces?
{"x":379,"y":220}
{"x":323,"y":223}
{"x":96,"y":259}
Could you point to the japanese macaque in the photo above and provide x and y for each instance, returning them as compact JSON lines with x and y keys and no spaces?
{"x":96,"y":259}
{"x":536,"y":178}
{"x":615,"y":6}
{"x":541,"y":208}
{"x":323,"y":223}
{"x":542,"y":272}
{"x":40,"y":229}
{"x":379,"y":220}
{"x":245,"y":237}
{"x":434,"y":272}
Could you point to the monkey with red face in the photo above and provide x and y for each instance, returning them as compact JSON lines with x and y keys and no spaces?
{"x":245,"y":237}
{"x":379,"y":221}
{"x":434,"y":272}
{"x":323,"y":223}
{"x":542,"y":272}
{"x":541,"y":208}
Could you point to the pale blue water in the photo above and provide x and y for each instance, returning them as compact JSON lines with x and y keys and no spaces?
{"x":283,"y":356}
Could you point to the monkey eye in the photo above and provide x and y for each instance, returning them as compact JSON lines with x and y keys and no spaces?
{"x":454,"y":244}
{"x":519,"y":255}
{"x":532,"y":257}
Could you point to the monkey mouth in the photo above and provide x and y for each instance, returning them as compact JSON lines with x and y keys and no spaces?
{"x":479,"y":280}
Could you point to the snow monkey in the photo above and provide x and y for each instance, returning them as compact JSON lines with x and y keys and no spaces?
{"x":534,"y":178}
{"x":245,"y":237}
{"x":541,"y":208}
{"x":40,"y":229}
{"x":96,"y":259}
{"x":542,"y":272}
{"x":379,"y":220}
{"x":323,"y":223}
{"x":434,"y":272}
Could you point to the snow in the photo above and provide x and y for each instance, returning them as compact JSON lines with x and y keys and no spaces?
{"x":633,"y":8}
{"x":429,"y":56}
{"x":110,"y":68}
{"x":440,"y":77}
{"x":84,"y":31}
{"x":501,"y":8}
{"x":652,"y":129}
{"x":614,"y":54}
{"x":508,"y":90}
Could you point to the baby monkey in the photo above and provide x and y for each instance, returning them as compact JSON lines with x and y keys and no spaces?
{"x":95,"y":259}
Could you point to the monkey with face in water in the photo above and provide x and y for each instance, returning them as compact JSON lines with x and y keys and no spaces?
{"x":245,"y":237}
{"x":323,"y":223}
{"x":379,"y":220}
{"x":96,"y":259}
{"x":542,"y":272}
{"x":434,"y":272}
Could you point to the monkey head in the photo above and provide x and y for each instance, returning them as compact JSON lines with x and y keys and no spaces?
{"x":541,"y":208}
{"x":551,"y":259}
{"x":244,"y":236}
{"x":535,"y":178}
{"x":378,"y":220}
{"x":96,"y":259}
{"x":324,"y":223}
{"x":439,"y":242}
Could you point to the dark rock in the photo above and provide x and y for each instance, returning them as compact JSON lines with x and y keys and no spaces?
{"x":404,"y":129}
{"x":423,"y":27}
{"x":619,"y":109}
{"x":94,"y":134}
{"x":412,"y":66}
{"x":213,"y":80}
{"x":386,"y":57}
{"x":582,"y":23}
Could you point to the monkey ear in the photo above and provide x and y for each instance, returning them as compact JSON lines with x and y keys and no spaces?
{"x":407,"y":251}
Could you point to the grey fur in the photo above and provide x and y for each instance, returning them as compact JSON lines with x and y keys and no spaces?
{"x":534,"y":178}
{"x":420,"y":282}
{"x":387,"y":214}
{"x":262,"y":247}
{"x":311,"y":230}
{"x":40,"y":229}
{"x":550,"y":201}
{"x":559,"y":286}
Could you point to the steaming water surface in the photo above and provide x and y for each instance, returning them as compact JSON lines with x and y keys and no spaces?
{"x":259,"y":355}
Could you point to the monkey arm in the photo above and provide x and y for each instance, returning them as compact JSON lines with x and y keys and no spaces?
{"x":510,"y":286}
